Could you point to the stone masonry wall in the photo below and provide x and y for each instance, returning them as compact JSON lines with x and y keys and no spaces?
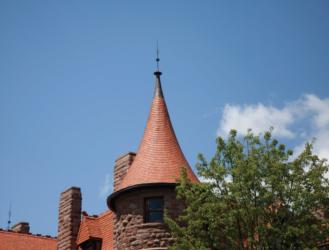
{"x":21,"y":227}
{"x":131,"y":233}
{"x":69,"y":218}
{"x":121,"y":166}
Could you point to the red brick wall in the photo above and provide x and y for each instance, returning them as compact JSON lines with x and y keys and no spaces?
{"x":69,"y":218}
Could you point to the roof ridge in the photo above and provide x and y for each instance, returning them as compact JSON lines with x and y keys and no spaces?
{"x":108,"y":211}
{"x":46,"y":236}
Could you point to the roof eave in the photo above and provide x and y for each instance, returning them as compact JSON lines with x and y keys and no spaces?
{"x":112,"y":197}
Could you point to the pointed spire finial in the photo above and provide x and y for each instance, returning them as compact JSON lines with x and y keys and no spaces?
{"x":158,"y":89}
{"x":157,"y":73}
{"x":158,"y":59}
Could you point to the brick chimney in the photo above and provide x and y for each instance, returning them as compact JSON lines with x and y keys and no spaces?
{"x":21,"y":227}
{"x":121,"y":166}
{"x":69,"y":218}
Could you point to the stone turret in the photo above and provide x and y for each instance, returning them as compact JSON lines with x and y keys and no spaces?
{"x":147,"y":186}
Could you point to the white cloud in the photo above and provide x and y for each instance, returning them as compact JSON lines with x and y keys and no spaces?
{"x":320,"y":108}
{"x":106,"y":188}
{"x":257,"y":117}
{"x":316,"y":113}
{"x":302,"y":120}
{"x":321,"y":145}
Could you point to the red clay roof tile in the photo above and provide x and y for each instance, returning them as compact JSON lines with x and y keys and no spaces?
{"x":22,"y":241}
{"x":159,"y":158}
{"x":100,"y":227}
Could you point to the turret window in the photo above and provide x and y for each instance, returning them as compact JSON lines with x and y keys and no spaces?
{"x":153,"y":209}
{"x":91,"y":244}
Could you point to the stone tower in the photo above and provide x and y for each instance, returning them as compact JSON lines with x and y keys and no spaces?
{"x":69,"y":218}
{"x":147,"y":186}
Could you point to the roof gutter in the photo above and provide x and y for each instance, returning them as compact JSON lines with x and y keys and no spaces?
{"x":112,"y":197}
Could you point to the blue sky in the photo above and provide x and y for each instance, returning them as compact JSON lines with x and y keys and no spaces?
{"x":76,"y":83}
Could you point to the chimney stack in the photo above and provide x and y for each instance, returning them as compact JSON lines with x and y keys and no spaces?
{"x":121,"y":166}
{"x":21,"y":227}
{"x":69,"y":218}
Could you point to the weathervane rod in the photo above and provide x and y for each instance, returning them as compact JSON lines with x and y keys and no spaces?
{"x":9,"y":217}
{"x":157,"y":59}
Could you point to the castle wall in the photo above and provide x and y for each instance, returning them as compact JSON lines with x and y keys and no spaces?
{"x":130,"y":231}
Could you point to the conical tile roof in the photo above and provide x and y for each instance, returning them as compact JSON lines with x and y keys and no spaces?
{"x":159,"y":158}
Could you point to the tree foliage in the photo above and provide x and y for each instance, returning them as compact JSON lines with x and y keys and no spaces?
{"x":256,"y":196}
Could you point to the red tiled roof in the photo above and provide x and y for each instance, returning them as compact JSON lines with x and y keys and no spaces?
{"x":21,"y":241}
{"x":89,"y":228}
{"x":159,"y":158}
{"x":100,"y":227}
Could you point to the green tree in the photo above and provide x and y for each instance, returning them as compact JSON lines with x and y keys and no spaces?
{"x":256,"y":196}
